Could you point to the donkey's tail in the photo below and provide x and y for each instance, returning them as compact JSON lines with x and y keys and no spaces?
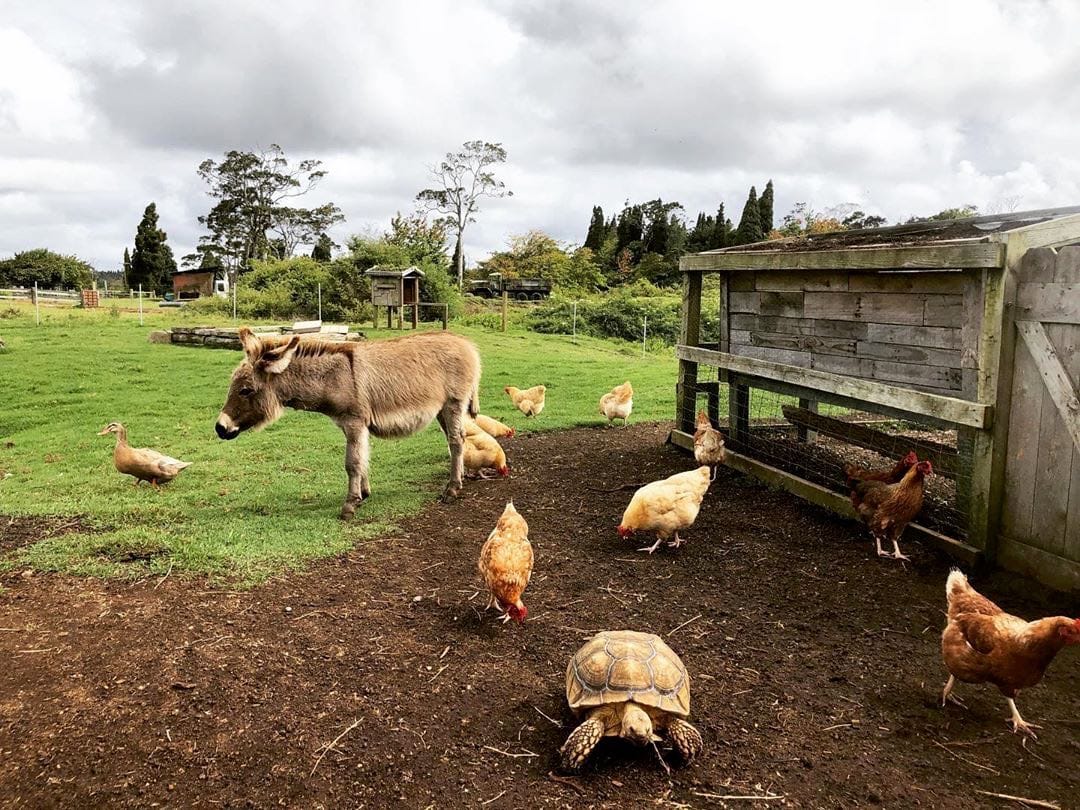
{"x":474,"y":400}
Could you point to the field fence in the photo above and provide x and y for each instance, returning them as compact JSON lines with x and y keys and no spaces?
{"x":816,"y":440}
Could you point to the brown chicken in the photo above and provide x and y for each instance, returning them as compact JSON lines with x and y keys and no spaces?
{"x":506,"y":562}
{"x":618,"y":403}
{"x":493,"y":427}
{"x":482,"y":452}
{"x":666,"y":506}
{"x":982,"y":643}
{"x":530,"y":401}
{"x":887,"y":509}
{"x":708,"y":443}
{"x":889,"y":475}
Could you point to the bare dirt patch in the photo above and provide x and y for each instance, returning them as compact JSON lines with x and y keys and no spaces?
{"x":17,"y":532}
{"x":815,"y":666}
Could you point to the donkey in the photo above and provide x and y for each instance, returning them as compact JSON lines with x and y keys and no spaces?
{"x":389,"y":388}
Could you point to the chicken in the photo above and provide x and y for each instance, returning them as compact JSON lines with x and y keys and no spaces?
{"x":708,"y":442}
{"x":891,"y":475}
{"x":483,"y":452}
{"x":493,"y":427}
{"x":982,"y":643}
{"x":887,"y":509}
{"x":530,"y":401}
{"x":666,"y":507}
{"x":618,"y":403}
{"x":506,"y":563}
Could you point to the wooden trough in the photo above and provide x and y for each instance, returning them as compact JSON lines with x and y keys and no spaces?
{"x":970,"y":327}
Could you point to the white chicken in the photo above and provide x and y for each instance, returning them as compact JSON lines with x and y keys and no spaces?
{"x":666,"y":507}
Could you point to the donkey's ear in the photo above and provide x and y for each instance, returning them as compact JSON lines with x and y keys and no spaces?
{"x":252,"y":345}
{"x":276,"y":360}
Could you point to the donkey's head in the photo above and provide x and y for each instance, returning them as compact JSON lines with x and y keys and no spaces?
{"x":253,"y":401}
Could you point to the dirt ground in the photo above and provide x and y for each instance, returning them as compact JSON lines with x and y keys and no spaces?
{"x":815,"y":666}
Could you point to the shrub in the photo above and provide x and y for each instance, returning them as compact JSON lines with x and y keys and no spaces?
{"x":48,"y":269}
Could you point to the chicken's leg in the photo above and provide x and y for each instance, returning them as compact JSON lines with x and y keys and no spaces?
{"x":654,"y":546}
{"x":677,"y":541}
{"x":1018,"y":722}
{"x":897,"y":554}
{"x":948,"y":697}
{"x":880,"y":551}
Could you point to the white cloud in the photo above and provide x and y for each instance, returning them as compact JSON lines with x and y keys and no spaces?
{"x":901,"y":109}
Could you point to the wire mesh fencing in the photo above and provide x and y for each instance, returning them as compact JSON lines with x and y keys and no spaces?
{"x":816,"y":441}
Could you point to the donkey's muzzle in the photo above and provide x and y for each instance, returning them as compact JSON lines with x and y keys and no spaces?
{"x":226,"y":432}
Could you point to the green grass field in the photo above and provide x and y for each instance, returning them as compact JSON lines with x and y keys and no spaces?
{"x":266,"y":501}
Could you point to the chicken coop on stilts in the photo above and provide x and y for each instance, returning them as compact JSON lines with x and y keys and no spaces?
{"x":958,"y":340}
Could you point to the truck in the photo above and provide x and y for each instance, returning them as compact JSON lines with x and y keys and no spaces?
{"x":519,"y":289}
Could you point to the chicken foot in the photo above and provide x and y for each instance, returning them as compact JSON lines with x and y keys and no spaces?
{"x":1018,"y":722}
{"x":676,"y":542}
{"x":654,"y":546}
{"x":948,"y":697}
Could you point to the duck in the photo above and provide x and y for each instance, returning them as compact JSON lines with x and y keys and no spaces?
{"x":140,"y":462}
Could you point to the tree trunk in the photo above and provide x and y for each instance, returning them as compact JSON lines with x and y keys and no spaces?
{"x":460,"y":254}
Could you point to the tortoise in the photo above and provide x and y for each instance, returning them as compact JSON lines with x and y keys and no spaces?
{"x":631,"y":685}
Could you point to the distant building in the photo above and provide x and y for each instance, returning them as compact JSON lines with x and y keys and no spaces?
{"x":188,"y":284}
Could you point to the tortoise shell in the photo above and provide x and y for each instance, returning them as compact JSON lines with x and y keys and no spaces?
{"x":615,"y":666}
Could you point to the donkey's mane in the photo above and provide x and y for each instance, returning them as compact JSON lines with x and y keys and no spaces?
{"x":310,"y":347}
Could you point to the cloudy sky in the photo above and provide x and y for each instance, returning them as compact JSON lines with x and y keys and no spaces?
{"x":902,"y":108}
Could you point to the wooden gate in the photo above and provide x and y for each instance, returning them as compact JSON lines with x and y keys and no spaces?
{"x":1040,"y":519}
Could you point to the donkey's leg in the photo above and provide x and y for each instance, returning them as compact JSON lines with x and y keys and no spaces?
{"x":452,"y":421}
{"x":356,"y":465}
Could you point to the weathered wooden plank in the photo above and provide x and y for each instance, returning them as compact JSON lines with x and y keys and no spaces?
{"x":940,"y":257}
{"x":783,"y":304}
{"x":741,"y":282}
{"x":745,"y":302}
{"x":914,"y":374}
{"x":1053,"y":475}
{"x":850,"y":330}
{"x":945,"y":464}
{"x":947,"y":409}
{"x":844,"y":364}
{"x":943,"y":310}
{"x":1050,"y":303}
{"x":1060,"y":388}
{"x":806,"y":435}
{"x":803,"y":281}
{"x":930,"y":336}
{"x":794,"y":358}
{"x":971,"y":326}
{"x":870,"y":307}
{"x":1022,"y":457}
{"x":949,"y":283}
{"x":1057,"y":572}
{"x":1051,"y":233}
{"x":900,"y":353}
{"x":801,"y":343}
{"x":1039,"y":266}
{"x":690,"y":334}
{"x":1067,"y":270}
{"x":751,"y":322}
{"x":833,"y":501}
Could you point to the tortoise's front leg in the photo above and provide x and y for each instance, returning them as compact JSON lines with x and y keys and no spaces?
{"x":686,"y":738}
{"x":580,"y":744}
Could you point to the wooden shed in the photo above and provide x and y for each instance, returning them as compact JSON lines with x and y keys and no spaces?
{"x":958,"y":339}
{"x":395,"y":288}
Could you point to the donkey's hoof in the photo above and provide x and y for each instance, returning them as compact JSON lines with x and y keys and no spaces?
{"x":348,"y":510}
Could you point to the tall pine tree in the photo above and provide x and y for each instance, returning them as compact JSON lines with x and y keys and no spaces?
{"x":749,"y":229}
{"x":127,"y":268}
{"x":765,"y":206}
{"x":597,"y":229}
{"x":719,"y":236}
{"x":323,"y":250}
{"x":152,"y":262}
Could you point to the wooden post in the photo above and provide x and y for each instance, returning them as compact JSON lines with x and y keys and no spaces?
{"x":416,"y":315}
{"x":389,"y":317}
{"x":505,"y":307}
{"x":806,"y":435}
{"x":690,"y":335}
{"x":445,"y":316}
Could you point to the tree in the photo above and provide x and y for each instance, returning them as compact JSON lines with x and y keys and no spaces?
{"x":658,"y":230}
{"x":50,"y":270}
{"x":537,"y":255}
{"x":721,"y":235}
{"x":127,"y":269}
{"x":463,"y":179}
{"x":749,"y":229}
{"x":594,"y":238}
{"x":424,"y":242}
{"x":857,"y":220}
{"x":323,"y":249}
{"x":252,"y":190}
{"x":152,"y":262}
{"x":765,"y":205}
{"x":963,"y":212}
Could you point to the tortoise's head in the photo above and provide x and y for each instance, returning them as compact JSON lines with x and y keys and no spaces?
{"x":637,"y":725}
